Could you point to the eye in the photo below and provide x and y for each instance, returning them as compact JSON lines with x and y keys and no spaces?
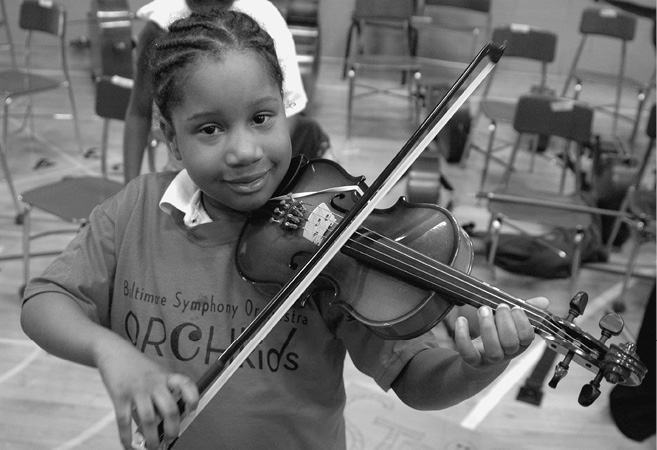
{"x":259,"y":119}
{"x":209,"y":130}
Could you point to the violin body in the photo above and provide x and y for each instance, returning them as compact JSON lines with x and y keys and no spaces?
{"x":393,"y":301}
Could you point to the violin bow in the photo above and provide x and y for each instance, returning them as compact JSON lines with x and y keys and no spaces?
{"x":240,"y":349}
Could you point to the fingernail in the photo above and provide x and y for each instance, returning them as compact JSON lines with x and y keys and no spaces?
{"x":503,"y":305}
{"x":484,"y":311}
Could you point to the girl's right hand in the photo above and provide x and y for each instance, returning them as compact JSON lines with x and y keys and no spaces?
{"x":143,"y":390}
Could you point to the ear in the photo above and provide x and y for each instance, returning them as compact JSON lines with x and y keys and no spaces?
{"x":170,"y":136}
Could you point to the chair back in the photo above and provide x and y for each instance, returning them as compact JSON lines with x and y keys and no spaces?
{"x":112,"y":97}
{"x":46,"y":17}
{"x":554,"y":116}
{"x":608,"y":22}
{"x":650,"y":128}
{"x":475,"y":5}
{"x":389,"y":10}
{"x":452,"y":30}
{"x":525,"y":41}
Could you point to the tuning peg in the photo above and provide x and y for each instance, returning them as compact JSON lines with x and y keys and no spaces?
{"x":611,"y":324}
{"x":576,"y":308}
{"x":577,"y":305}
{"x":590,"y":392}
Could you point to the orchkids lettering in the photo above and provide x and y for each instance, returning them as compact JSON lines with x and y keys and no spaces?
{"x":187,"y":341}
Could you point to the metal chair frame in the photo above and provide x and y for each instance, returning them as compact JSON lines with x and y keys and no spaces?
{"x":382,"y":15}
{"x":9,"y":43}
{"x":609,"y":24}
{"x":642,"y":221}
{"x":571,"y":121}
{"x":446,"y":20}
{"x":523,"y":43}
{"x":47,"y":18}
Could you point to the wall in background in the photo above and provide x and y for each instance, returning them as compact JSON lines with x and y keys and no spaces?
{"x":560,"y":16}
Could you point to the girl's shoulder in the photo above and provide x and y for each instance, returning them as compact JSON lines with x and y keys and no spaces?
{"x":142,"y":191}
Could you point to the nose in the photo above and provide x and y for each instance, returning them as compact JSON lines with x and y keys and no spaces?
{"x":244,"y":148}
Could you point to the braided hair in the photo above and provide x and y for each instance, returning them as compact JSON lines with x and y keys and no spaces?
{"x":201,"y":37}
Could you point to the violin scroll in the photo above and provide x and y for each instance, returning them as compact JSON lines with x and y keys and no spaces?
{"x":618,"y":365}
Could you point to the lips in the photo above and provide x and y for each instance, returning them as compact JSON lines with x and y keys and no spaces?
{"x":249,"y":183}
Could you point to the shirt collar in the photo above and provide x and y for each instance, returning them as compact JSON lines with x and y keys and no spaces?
{"x":183,"y":195}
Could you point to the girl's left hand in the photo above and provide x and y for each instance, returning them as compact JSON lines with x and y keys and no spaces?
{"x":503,"y":335}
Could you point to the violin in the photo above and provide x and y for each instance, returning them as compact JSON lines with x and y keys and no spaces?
{"x":399,"y":271}
{"x":402,"y":271}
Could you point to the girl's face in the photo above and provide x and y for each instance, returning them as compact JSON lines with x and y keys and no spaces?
{"x":231,"y":133}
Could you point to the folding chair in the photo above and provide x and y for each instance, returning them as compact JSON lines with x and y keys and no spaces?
{"x":370,"y":17}
{"x":73,"y":198}
{"x":524,"y":44}
{"x":449,"y":33}
{"x":515,"y":203}
{"x":607,"y":25}
{"x":49,"y":19}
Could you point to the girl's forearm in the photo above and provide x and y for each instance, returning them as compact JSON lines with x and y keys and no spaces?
{"x":438,"y":378}
{"x":58,"y":325}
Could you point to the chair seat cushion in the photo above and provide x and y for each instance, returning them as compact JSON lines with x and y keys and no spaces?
{"x":72,"y":198}
{"x":14,"y":83}
{"x":384,"y":62}
{"x":499,"y":110}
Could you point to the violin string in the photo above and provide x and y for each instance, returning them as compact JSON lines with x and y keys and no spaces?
{"x":482,"y":300}
{"x":536,"y":318}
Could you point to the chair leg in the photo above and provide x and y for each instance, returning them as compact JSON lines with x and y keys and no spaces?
{"x":577,"y":260}
{"x":492,"y":128}
{"x":76,"y":123}
{"x":512,"y":160}
{"x":350,"y":100}
{"x":26,"y":244}
{"x":573,"y":66}
{"x":152,"y":146}
{"x":347,"y":51}
{"x":637,"y":234}
{"x":644,"y":93}
{"x":103,"y":148}
{"x":3,"y":160}
{"x":467,"y":148}
{"x":494,"y":228}
{"x":615,"y":229}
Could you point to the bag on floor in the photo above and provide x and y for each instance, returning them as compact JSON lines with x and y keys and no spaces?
{"x":549,"y":255}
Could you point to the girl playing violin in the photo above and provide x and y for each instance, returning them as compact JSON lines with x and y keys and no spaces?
{"x":148,"y":291}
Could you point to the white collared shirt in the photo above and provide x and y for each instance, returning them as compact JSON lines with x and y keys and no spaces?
{"x":184,"y":195}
